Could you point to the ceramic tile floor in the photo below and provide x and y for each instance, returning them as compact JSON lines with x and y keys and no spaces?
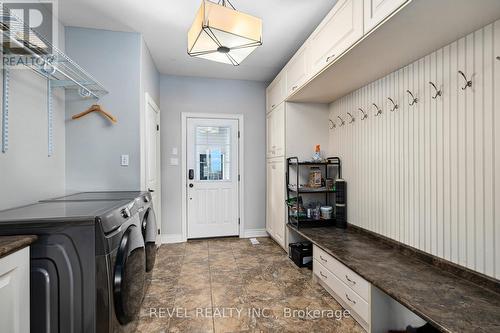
{"x":230,"y":285}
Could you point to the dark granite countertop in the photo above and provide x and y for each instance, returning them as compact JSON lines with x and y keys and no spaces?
{"x":10,"y":244}
{"x":446,"y":300}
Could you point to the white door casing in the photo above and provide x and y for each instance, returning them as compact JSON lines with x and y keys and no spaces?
{"x":151,"y":137}
{"x":212,"y":175}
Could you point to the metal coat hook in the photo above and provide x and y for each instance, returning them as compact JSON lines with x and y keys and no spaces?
{"x":394,"y":105}
{"x":414,"y":100}
{"x":352,"y":118}
{"x":468,"y":83}
{"x":437,"y":92}
{"x":379,"y":112}
{"x":342,"y":122}
{"x":365,"y":115}
{"x":332,"y":124}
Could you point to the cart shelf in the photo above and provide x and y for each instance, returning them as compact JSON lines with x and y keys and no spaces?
{"x":310,"y":190}
{"x":301,"y":221}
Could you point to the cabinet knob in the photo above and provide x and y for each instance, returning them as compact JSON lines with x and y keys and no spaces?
{"x":330,"y":57}
{"x":349,"y":299}
{"x":351,"y":281}
{"x":294,"y":87}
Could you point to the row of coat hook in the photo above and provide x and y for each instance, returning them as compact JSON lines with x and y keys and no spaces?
{"x":412,"y":101}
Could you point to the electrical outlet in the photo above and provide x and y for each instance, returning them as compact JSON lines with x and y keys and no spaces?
{"x":124,"y":160}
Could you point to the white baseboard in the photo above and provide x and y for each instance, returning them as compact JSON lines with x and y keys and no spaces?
{"x":172,"y":238}
{"x":250,"y":233}
{"x":177,"y":238}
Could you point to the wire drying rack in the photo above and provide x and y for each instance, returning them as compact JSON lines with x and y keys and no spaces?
{"x":46,"y":60}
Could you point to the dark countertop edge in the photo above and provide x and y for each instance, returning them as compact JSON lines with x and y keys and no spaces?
{"x":479,"y":279}
{"x":11,"y":244}
{"x":397,"y":247}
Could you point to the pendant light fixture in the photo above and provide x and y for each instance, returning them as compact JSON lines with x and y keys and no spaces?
{"x":223,"y":34}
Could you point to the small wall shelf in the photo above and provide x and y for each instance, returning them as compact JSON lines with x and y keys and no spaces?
{"x":44,"y":59}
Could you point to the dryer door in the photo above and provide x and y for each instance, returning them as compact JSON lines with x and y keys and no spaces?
{"x":149,"y":233}
{"x":129,"y":277}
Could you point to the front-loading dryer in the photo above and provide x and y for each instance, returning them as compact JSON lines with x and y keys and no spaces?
{"x":143,"y":206}
{"x":87,"y":265}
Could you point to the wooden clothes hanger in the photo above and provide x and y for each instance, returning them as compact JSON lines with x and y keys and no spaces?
{"x":96,"y":108}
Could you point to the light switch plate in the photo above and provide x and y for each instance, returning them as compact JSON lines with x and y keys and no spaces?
{"x":124,"y":160}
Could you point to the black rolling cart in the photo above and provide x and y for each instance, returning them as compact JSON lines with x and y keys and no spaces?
{"x":297,"y":215}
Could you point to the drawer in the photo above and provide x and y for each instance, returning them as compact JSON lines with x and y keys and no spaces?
{"x":353,"y":301}
{"x":347,"y":276}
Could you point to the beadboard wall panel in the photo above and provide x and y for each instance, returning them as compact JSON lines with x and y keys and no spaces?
{"x":428,"y":174}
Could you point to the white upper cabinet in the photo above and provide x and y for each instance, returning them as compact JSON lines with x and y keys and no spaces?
{"x":340,"y":29}
{"x":377,"y":10}
{"x":276,"y":92}
{"x":296,"y":70}
{"x":275,"y":123}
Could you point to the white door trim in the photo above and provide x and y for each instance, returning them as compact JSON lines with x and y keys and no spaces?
{"x":241,"y":191}
{"x":148,"y":100}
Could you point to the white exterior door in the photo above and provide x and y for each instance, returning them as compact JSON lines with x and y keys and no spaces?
{"x":212,"y":171}
{"x":152,"y":163}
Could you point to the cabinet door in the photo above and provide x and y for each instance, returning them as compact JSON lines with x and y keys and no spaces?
{"x":269,"y":135}
{"x":275,"y":92}
{"x":342,"y":27}
{"x":275,"y":131}
{"x":296,"y":71}
{"x":269,"y":199}
{"x":15,"y":292}
{"x":279,"y":202}
{"x":377,"y":10}
{"x":278,"y":130}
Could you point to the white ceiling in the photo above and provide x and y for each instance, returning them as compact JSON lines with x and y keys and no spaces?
{"x":164,"y":25}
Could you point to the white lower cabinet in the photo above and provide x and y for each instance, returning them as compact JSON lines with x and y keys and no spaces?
{"x":355,"y":295}
{"x":15,"y":292}
{"x":275,"y":213}
{"x":374,"y":310}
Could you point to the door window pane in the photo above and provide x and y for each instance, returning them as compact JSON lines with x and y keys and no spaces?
{"x":213,"y":148}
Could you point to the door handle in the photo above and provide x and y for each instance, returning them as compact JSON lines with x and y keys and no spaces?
{"x":191,"y":174}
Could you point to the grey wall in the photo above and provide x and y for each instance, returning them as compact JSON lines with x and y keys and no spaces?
{"x":190,"y":94}
{"x":27,"y":174}
{"x":150,"y":77}
{"x":93,"y":146}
